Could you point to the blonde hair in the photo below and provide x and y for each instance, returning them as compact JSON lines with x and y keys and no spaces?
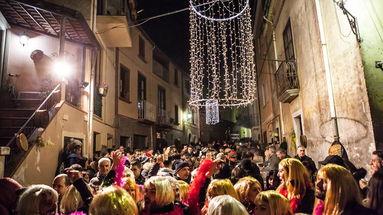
{"x":296,"y":178}
{"x":71,"y":200}
{"x":277,"y":203}
{"x":29,"y":202}
{"x":243,"y":186}
{"x":225,"y":204}
{"x":341,"y":188}
{"x":183,"y":189}
{"x":113,"y":200}
{"x":131,"y":184}
{"x":164,"y":190}
{"x":219,"y":187}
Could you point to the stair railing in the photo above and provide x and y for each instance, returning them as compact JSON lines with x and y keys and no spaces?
{"x":28,"y":128}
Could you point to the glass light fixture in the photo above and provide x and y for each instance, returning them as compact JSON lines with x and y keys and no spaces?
{"x":23,"y":39}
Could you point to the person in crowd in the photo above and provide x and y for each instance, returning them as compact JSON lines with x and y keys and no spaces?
{"x":160,"y":197}
{"x":376,"y":162}
{"x":218,"y":187}
{"x":182,"y":171}
{"x":136,"y":167}
{"x":272,"y":180}
{"x":375,"y":192}
{"x":302,"y":157}
{"x":247,"y":189}
{"x":296,"y":185}
{"x":272,"y":160}
{"x":246,"y":168}
{"x":131,"y":187}
{"x":271,"y":203}
{"x":37,"y":199}
{"x":226,"y":204}
{"x":337,"y":192}
{"x":75,"y":154}
{"x":104,"y":166}
{"x":61,"y":184}
{"x":10,"y":191}
{"x":113,"y":200}
{"x":72,"y":201}
{"x":183,"y":190}
{"x":282,"y":154}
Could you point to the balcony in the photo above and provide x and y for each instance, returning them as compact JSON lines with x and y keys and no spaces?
{"x":163,"y":117}
{"x":146,"y":111}
{"x":114,"y":31}
{"x":287,"y":82}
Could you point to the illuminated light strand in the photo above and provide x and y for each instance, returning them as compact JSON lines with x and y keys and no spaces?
{"x":221,"y":53}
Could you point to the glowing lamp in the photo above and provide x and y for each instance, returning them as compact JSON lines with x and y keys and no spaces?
{"x":23,"y":39}
{"x":62,"y":68}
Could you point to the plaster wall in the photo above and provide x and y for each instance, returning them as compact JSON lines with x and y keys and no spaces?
{"x":348,"y":82}
{"x":40,"y":165}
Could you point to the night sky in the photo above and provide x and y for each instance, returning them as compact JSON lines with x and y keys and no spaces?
{"x":170,"y":33}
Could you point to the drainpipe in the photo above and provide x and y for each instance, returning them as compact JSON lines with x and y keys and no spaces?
{"x":327,"y":69}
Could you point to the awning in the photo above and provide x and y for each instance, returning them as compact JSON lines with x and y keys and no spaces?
{"x":45,"y":17}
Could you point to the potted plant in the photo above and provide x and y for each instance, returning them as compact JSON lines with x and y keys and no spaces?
{"x":103,"y":89}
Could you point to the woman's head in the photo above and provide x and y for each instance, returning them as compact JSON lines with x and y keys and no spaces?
{"x":131,"y":187}
{"x":272,"y":203}
{"x":225,"y":204}
{"x":247,"y":189}
{"x":375,"y":192}
{"x":37,"y":199}
{"x":113,"y":200}
{"x":71,"y":200}
{"x":220,"y":187}
{"x":294,"y":177}
{"x":272,"y":180}
{"x":183,"y":190}
{"x":336,"y":187}
{"x":159,"y":191}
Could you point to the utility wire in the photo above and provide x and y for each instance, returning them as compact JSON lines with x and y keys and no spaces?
{"x":142,"y":21}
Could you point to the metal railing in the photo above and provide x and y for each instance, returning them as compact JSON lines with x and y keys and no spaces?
{"x":29,"y":128}
{"x":146,"y":110}
{"x":162,"y":117}
{"x":286,"y":77}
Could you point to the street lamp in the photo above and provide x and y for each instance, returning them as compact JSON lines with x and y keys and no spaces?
{"x":351,"y":19}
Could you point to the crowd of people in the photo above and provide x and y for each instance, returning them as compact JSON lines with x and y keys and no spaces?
{"x":219,"y":178}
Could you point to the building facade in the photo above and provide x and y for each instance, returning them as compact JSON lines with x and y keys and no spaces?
{"x":122,"y":90}
{"x":313,"y":78}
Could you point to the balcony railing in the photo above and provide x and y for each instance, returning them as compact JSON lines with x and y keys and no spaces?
{"x":160,"y":70}
{"x":146,"y":111}
{"x":163,"y":117}
{"x":287,"y":82}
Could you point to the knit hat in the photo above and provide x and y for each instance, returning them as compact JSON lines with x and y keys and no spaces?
{"x":181,"y":165}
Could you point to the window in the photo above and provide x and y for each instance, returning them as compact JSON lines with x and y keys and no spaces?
{"x":288,"y":42}
{"x":141,"y":87}
{"x":124,"y":83}
{"x":176,"y":115}
{"x":161,"y":98}
{"x":141,"y":48}
{"x":176,"y":77}
{"x":193,"y":117}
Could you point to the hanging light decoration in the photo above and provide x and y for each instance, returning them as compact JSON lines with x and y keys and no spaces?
{"x":221,"y":53}
{"x":212,"y":112}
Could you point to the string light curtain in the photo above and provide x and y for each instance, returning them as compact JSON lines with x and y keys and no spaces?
{"x":221,"y":53}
